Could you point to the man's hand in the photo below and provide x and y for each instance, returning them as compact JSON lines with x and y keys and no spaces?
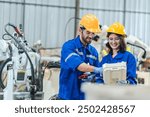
{"x":98,"y":70}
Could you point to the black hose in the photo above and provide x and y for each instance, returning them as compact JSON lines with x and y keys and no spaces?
{"x":1,"y":71}
{"x":144,"y":55}
{"x":68,"y":23}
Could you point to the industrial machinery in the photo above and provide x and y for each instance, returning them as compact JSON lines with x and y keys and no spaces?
{"x":114,"y":72}
{"x":50,"y":62}
{"x":20,"y":71}
{"x":143,"y":54}
{"x":143,"y":59}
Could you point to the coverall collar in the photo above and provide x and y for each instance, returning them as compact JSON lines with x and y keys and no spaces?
{"x":118,"y":56}
{"x":80,"y":45}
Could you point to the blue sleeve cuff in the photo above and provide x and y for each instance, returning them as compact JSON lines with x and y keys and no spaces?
{"x":99,"y":79}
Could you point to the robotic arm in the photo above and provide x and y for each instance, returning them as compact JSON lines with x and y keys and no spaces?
{"x":134,"y":41}
{"x":143,"y":55}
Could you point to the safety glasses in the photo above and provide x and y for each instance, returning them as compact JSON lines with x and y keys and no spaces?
{"x":117,"y":39}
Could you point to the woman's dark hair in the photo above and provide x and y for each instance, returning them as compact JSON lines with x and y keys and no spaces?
{"x":122,"y":47}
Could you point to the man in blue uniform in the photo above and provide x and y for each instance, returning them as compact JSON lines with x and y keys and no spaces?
{"x":78,"y":57}
{"x":117,"y":52}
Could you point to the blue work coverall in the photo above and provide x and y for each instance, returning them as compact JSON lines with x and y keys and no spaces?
{"x":72,"y":55}
{"x":123,"y":57}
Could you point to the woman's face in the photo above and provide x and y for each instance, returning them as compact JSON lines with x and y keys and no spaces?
{"x":114,"y":41}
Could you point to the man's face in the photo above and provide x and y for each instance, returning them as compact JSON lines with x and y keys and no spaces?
{"x":87,"y":36}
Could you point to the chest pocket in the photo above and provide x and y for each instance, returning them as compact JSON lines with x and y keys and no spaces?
{"x":91,"y":59}
{"x":86,"y":56}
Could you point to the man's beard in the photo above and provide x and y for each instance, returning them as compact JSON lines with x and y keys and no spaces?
{"x":86,"y":40}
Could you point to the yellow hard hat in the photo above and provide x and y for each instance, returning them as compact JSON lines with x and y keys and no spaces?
{"x":117,"y":28}
{"x":91,"y":23}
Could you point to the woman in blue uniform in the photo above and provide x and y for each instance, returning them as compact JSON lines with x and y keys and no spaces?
{"x":117,"y":52}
